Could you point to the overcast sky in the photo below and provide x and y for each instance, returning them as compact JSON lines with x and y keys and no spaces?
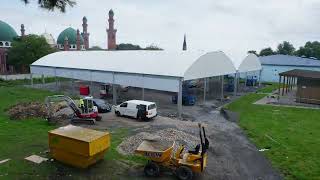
{"x":233,"y":26}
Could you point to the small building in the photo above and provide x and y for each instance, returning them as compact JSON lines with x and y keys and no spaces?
{"x":307,"y":85}
{"x":275,"y":64}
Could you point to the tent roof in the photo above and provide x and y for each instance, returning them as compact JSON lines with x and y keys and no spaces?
{"x":249,"y":63}
{"x":187,"y":65}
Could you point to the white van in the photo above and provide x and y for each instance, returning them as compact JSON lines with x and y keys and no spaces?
{"x":137,"y":109}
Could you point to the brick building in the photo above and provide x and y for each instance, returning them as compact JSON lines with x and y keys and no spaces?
{"x":7,"y":34}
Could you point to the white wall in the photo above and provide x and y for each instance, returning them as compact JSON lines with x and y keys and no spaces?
{"x":270,"y":73}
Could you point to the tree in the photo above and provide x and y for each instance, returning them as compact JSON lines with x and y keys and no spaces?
{"x":266,"y":52}
{"x":52,"y":4}
{"x":26,"y":50}
{"x":153,"y":47}
{"x":128,"y":46}
{"x":310,"y":49}
{"x":253,"y":52}
{"x":285,"y":48}
{"x":95,"y":48}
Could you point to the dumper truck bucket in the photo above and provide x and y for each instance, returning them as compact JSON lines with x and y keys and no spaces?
{"x":156,"y":150}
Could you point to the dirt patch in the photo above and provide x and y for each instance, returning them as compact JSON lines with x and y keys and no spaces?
{"x":129,"y":145}
{"x":27,"y":110}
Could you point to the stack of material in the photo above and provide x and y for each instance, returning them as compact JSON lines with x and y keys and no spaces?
{"x":77,"y":146}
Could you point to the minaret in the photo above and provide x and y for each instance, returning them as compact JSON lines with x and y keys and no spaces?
{"x":184,"y":48}
{"x":78,"y":40}
{"x":66,"y":44}
{"x":111,"y":32}
{"x":22,"y":30}
{"x":85,"y":33}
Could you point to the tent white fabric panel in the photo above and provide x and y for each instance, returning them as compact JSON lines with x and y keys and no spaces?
{"x":161,"y":63}
{"x":161,"y":83}
{"x":81,"y":74}
{"x":250,"y":63}
{"x":135,"y":80}
{"x":43,"y":70}
{"x":209,"y":65}
{"x":66,"y":73}
{"x":100,"y":76}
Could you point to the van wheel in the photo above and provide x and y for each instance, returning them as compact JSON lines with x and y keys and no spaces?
{"x":184,"y":173}
{"x":118,"y":113}
{"x":152,"y":169}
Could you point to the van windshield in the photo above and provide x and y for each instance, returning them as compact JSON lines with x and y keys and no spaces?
{"x":151,"y":106}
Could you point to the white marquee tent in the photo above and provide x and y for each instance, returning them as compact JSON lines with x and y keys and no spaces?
{"x":160,"y":70}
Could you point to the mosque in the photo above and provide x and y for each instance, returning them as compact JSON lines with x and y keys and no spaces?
{"x":69,"y":39}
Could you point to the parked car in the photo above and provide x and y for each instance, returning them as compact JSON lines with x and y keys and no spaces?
{"x":102,"y":106}
{"x":137,"y":109}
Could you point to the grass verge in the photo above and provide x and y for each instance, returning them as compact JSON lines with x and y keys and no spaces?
{"x":292,"y":134}
{"x":22,"y":138}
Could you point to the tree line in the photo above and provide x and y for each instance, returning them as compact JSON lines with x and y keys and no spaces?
{"x":309,"y":50}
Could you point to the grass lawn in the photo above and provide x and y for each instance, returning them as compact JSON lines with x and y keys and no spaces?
{"x":22,"y":138}
{"x":292,"y":134}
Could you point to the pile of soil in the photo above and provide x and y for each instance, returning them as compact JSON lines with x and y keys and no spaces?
{"x":27,"y":110}
{"x":129,"y":145}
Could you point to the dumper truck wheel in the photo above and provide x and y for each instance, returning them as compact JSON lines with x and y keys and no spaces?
{"x":184,"y":173}
{"x":152,"y":169}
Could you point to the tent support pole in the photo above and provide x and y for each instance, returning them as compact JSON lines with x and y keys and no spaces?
{"x":245,"y":80}
{"x":179,"y":102}
{"x":114,"y":91}
{"x":235,"y":82}
{"x":142,"y":93}
{"x":260,"y":73}
{"x":222,"y":85}
{"x":204,"y":90}
{"x":283,"y":84}
{"x":72,"y":84}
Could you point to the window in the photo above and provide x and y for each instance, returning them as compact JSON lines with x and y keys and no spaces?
{"x":151,"y":106}
{"x":124,"y":105}
{"x":141,"y":107}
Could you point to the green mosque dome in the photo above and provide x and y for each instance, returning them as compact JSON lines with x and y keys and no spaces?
{"x":7,"y":33}
{"x":71,"y":34}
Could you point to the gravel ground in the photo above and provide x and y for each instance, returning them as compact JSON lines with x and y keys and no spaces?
{"x":130,"y":144}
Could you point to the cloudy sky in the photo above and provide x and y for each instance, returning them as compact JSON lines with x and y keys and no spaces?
{"x":233,"y":26}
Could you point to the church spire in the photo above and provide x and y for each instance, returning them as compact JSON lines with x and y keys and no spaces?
{"x":184,"y":48}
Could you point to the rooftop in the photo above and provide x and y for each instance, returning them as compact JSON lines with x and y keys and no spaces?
{"x":302,"y":73}
{"x":286,"y":60}
{"x":141,"y":102}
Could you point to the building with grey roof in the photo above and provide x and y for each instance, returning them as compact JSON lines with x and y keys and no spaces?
{"x":275,"y":64}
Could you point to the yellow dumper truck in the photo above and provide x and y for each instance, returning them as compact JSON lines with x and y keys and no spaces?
{"x":184,"y":164}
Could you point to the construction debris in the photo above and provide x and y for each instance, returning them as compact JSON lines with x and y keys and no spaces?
{"x":27,"y":110}
{"x":129,"y":145}
{"x":5,"y":160}
{"x":36,"y":159}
